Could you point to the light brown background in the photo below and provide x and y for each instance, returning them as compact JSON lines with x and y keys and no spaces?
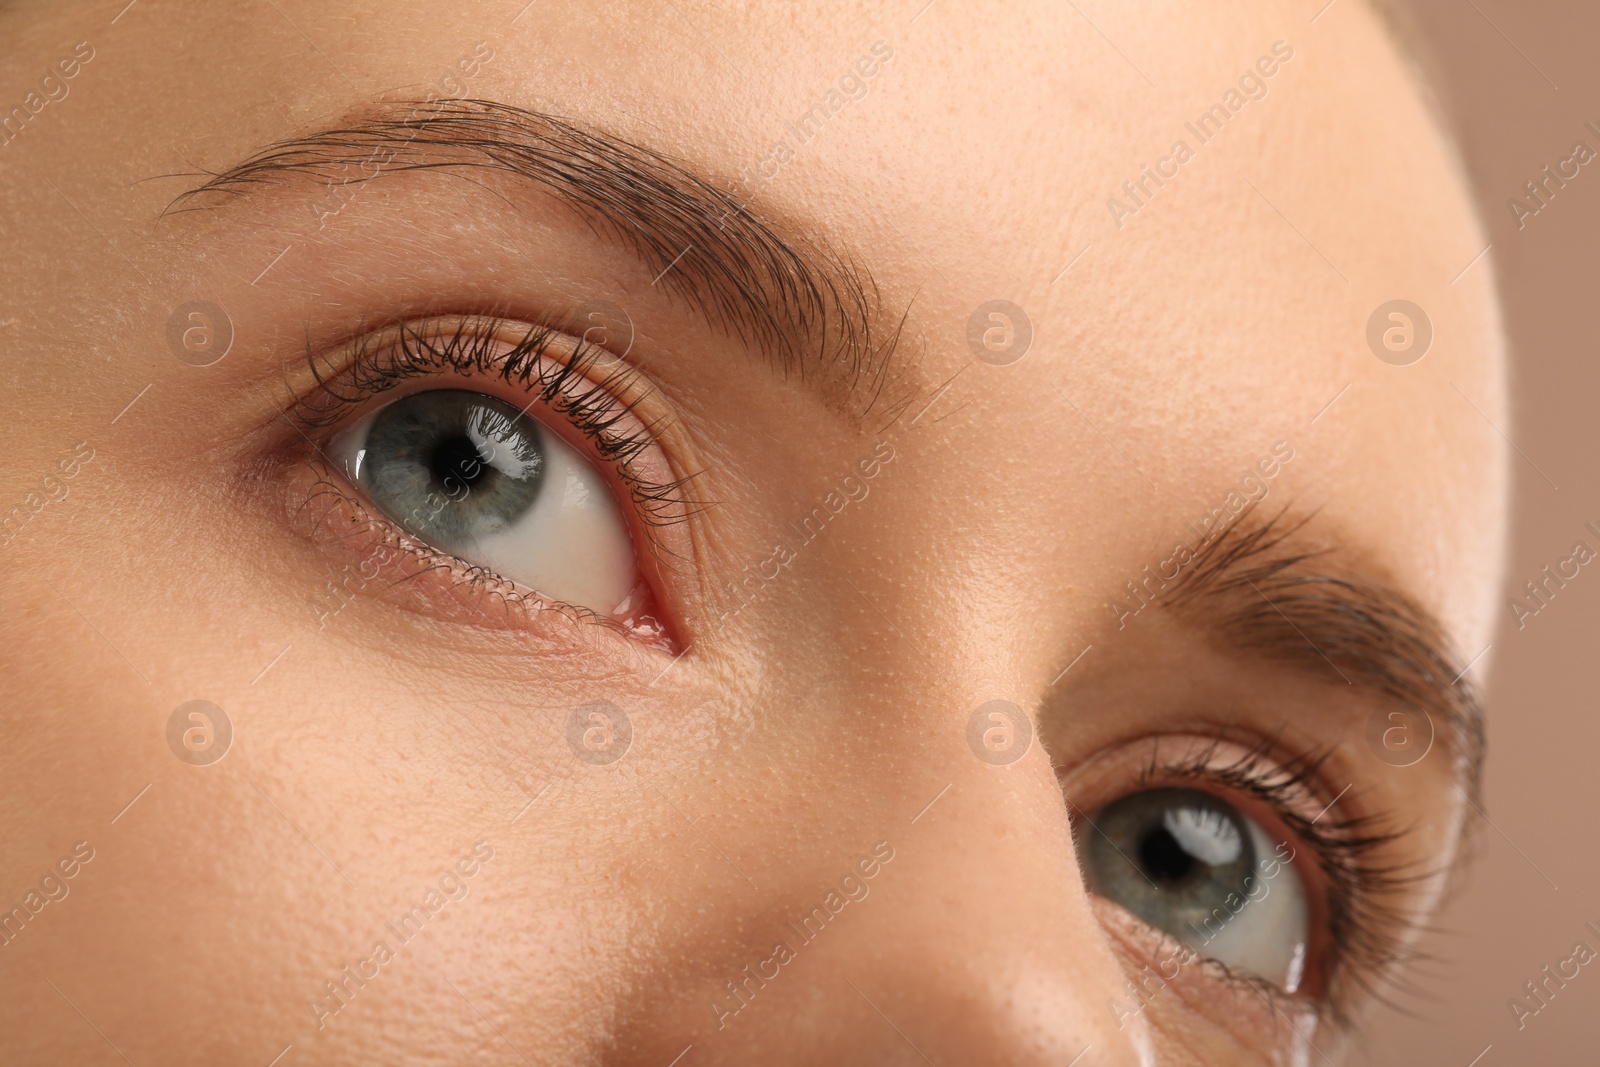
{"x":1519,"y":79}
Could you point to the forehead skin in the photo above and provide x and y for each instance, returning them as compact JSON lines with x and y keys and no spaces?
{"x":1222,"y":317}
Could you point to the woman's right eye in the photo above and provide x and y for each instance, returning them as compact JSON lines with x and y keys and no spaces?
{"x":470,"y":475}
{"x":1199,"y":869}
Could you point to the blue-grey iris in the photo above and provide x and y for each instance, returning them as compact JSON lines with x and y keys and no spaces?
{"x":453,"y":466}
{"x":1173,"y":857}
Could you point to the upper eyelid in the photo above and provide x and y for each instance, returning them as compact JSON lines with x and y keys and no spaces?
{"x":546,"y":362}
{"x":1269,"y":780}
{"x":1294,"y":772}
{"x":367,"y":368}
{"x":1250,"y":585}
{"x":791,"y":296}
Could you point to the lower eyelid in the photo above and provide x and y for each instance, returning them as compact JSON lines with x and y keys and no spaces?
{"x":1165,"y":976}
{"x":361,"y":560}
{"x":616,"y":434}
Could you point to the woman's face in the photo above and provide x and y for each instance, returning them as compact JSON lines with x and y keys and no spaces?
{"x":686,"y":535}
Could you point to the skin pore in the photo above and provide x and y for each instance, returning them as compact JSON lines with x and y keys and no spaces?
{"x":850,"y":532}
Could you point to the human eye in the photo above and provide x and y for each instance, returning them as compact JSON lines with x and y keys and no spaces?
{"x":1228,"y":858}
{"x":469,"y":474}
{"x":1194,"y":866}
{"x":508,"y":459}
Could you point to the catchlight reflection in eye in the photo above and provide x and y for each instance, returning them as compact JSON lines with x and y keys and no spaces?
{"x":1194,"y":866}
{"x":472,"y":476}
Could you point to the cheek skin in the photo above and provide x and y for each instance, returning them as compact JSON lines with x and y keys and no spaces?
{"x":374,"y":747}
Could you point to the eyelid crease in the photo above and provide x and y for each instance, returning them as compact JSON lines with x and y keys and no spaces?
{"x":814,"y":311}
{"x":1248,"y":583}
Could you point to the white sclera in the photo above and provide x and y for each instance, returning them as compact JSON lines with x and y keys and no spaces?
{"x":572,"y":545}
{"x":1267,"y":936}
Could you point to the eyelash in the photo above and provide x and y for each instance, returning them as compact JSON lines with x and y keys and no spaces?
{"x":384,"y":359}
{"x":1363,"y":930}
{"x":476,"y":346}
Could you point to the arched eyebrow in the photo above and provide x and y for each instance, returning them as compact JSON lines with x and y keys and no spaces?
{"x":814,"y":311}
{"x":1260,"y":586}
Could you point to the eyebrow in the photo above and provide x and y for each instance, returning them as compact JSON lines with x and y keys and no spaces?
{"x":1256,"y":583}
{"x":816,"y":313}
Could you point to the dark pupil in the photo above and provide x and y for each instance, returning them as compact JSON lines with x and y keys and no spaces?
{"x":453,"y":466}
{"x":1164,"y":859}
{"x":457,"y":461}
{"x":1175,"y":857}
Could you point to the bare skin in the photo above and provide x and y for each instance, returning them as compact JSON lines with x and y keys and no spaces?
{"x":187,"y":532}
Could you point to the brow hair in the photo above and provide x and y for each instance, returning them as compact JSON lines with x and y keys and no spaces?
{"x":814,"y":310}
{"x":1335,"y":622}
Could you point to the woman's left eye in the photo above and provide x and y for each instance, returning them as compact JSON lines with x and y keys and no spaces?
{"x":472,"y":476}
{"x":1198,"y":868}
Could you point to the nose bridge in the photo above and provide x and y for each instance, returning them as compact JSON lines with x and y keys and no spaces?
{"x":919,"y":899}
{"x":936,"y":916}
{"x":983,"y":944}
